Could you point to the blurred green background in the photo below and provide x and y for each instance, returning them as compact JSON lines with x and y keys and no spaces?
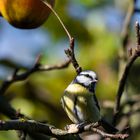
{"x":96,"y":26}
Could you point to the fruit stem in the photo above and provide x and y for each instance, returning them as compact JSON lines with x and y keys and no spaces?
{"x":64,"y":27}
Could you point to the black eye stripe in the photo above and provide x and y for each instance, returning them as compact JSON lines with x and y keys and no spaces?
{"x":87,"y":75}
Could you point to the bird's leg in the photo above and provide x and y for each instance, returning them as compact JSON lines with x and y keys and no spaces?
{"x":82,"y":126}
{"x":77,"y":128}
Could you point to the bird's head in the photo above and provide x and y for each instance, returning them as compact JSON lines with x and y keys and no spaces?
{"x":88,"y":79}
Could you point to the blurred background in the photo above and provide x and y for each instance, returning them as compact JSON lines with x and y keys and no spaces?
{"x":96,"y":26}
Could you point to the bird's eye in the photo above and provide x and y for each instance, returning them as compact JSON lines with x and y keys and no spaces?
{"x":96,"y":78}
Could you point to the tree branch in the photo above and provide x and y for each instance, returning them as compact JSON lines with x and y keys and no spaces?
{"x":8,"y":110}
{"x":126,"y":73}
{"x":71,"y":55}
{"x":125,"y":37}
{"x":36,"y":68}
{"x":124,"y":66}
{"x":33,"y":126}
{"x":70,"y":51}
{"x":126,"y":24}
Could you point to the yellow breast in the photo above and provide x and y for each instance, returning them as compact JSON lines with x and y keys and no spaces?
{"x":77,"y":89}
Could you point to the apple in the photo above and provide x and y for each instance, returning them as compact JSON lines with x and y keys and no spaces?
{"x":25,"y":14}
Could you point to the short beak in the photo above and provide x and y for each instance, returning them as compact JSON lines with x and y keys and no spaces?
{"x":95,"y":80}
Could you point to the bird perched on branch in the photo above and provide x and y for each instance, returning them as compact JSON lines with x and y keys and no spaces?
{"x":80,"y":103}
{"x":79,"y":100}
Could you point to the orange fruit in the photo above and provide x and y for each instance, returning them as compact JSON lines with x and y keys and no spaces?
{"x":25,"y":14}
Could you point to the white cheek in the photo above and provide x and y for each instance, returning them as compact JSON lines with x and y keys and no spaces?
{"x":82,"y":79}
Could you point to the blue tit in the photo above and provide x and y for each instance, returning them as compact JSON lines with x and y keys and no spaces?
{"x":79,"y":100}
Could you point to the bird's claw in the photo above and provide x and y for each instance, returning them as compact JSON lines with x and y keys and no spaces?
{"x":72,"y":128}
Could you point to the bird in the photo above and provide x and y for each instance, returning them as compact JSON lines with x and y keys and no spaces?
{"x":79,"y":100}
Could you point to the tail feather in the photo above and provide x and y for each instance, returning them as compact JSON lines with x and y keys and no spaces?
{"x":108,"y":127}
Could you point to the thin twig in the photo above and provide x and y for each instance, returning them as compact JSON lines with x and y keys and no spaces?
{"x":51,"y":8}
{"x":126,"y":24}
{"x":112,"y":136}
{"x":71,"y":55}
{"x":54,"y":67}
{"x":125,"y":38}
{"x":126,"y":73}
{"x":70,"y":51}
{"x":23,"y":76}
